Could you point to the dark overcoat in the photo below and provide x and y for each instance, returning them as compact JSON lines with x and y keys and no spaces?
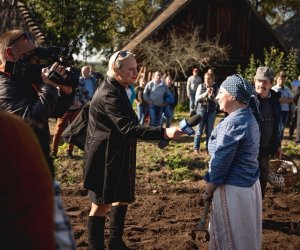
{"x":110,"y":148}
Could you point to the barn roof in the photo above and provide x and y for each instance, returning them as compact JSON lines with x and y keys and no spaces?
{"x":163,"y":17}
{"x":159,"y":20}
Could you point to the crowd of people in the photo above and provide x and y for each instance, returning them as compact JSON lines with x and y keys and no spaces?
{"x":240,"y":146}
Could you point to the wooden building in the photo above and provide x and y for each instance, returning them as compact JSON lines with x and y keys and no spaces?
{"x":14,"y":15}
{"x":235,"y":22}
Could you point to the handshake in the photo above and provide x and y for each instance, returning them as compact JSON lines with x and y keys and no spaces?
{"x":186,"y":126}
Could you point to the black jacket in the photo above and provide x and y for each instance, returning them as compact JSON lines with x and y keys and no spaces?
{"x":110,"y":148}
{"x":255,"y":105}
{"x":23,"y":99}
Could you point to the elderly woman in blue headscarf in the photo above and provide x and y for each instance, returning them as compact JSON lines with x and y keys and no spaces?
{"x":233,"y":175}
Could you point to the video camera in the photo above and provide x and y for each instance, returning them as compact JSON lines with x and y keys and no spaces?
{"x":24,"y":69}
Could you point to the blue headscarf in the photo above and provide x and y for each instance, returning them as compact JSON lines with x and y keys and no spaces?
{"x":238,"y":88}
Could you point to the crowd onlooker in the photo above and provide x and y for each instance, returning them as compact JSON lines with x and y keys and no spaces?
{"x":88,"y":81}
{"x":80,"y":99}
{"x":191,"y":87}
{"x":206,"y":106}
{"x":266,"y":108}
{"x":286,"y":99}
{"x":296,"y":91}
{"x":168,"y":109}
{"x":154,"y":94}
{"x":141,"y":104}
{"x":130,"y":91}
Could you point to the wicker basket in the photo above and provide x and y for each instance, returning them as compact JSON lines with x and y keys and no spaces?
{"x":283,"y":172}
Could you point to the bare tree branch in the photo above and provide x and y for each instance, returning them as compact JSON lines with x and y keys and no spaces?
{"x":177,"y":53}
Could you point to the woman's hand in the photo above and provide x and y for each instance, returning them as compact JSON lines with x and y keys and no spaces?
{"x":208,"y":193}
{"x":173,"y":133}
{"x":207,"y":196}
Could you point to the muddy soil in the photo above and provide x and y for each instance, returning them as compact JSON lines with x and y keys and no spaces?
{"x":164,"y":213}
{"x":167,"y":209}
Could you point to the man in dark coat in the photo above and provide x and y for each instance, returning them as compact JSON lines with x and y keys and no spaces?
{"x":22,"y":96}
{"x":266,"y":108}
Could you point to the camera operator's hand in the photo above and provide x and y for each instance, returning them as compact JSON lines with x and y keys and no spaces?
{"x":59,"y":69}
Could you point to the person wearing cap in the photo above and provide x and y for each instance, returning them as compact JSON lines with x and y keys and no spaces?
{"x":233,"y":175}
{"x":266,"y":108}
{"x":191,"y":87}
{"x":286,"y":98}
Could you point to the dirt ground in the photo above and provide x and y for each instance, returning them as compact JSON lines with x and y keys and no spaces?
{"x":164,"y":213}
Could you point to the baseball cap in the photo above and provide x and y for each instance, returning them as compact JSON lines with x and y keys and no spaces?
{"x":264,"y":73}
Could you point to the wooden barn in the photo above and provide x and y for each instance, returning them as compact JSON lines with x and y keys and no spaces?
{"x":14,"y":15}
{"x":235,"y":22}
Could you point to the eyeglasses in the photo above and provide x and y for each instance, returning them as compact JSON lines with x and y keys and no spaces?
{"x":122,"y":53}
{"x":26,"y":35}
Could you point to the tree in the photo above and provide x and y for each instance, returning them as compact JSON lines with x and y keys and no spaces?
{"x":276,"y":60}
{"x":127,"y":16}
{"x":178,"y":52}
{"x":276,"y":11}
{"x":99,"y":25}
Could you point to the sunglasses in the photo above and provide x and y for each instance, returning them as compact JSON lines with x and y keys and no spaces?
{"x":122,"y":53}
{"x":26,"y":35}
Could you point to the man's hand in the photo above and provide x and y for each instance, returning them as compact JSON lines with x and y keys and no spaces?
{"x":59,"y":69}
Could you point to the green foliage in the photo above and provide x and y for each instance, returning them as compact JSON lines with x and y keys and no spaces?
{"x":180,"y":174}
{"x":63,"y":21}
{"x":276,"y":11}
{"x":182,"y":107}
{"x":275,"y":59}
{"x":100,"y":25}
{"x":251,"y":69}
{"x":291,"y":66}
{"x":291,"y":149}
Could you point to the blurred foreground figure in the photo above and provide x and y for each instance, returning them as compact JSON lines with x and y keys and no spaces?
{"x":26,"y":197}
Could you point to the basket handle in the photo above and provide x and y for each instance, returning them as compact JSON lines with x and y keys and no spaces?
{"x":288,"y":158}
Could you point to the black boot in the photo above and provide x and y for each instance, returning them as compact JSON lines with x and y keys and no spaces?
{"x":116,"y":230}
{"x":96,"y":232}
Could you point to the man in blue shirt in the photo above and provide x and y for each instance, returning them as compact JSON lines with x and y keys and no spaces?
{"x":88,"y":81}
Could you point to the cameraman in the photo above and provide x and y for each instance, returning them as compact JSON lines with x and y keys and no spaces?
{"x":38,"y":103}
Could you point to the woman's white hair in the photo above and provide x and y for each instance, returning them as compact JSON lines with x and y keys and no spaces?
{"x":116,"y":61}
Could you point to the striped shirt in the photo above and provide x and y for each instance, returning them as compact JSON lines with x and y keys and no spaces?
{"x":233,"y":147}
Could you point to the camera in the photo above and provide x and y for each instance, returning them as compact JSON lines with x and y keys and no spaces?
{"x":25,"y":70}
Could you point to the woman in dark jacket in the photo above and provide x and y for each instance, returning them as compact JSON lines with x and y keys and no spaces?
{"x":110,"y":151}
